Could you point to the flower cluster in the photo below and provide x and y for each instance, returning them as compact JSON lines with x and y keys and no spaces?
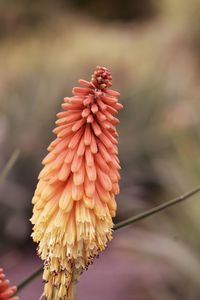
{"x":74,"y":201}
{"x":7,"y":292}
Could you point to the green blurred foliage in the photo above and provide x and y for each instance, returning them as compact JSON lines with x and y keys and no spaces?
{"x":117,"y":10}
{"x":26,"y":15}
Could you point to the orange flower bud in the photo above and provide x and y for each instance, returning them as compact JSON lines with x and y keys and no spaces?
{"x":7,"y":292}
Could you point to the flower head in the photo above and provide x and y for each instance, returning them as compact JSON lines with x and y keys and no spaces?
{"x":7,"y":292}
{"x":74,"y":201}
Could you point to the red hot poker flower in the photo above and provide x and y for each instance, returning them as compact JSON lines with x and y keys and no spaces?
{"x":74,"y":201}
{"x":7,"y":292}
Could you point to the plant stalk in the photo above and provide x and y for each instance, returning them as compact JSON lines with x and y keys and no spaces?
{"x":156,"y":209}
{"x":29,"y":279}
{"x":9,"y":165}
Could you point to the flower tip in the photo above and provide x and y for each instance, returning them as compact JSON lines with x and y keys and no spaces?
{"x":101,"y":78}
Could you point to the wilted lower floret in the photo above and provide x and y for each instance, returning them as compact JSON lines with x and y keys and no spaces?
{"x":74,"y":201}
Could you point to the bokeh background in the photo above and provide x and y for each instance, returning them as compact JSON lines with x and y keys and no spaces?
{"x":153,"y":51}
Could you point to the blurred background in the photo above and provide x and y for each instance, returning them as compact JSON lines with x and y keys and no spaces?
{"x":153,"y":51}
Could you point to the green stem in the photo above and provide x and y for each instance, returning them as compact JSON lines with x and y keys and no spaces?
{"x":9,"y":165}
{"x":73,"y":292}
{"x":29,"y":279}
{"x":155,"y":209}
{"x":127,"y":222}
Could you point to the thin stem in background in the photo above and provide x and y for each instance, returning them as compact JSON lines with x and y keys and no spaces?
{"x":9,"y":165}
{"x":29,"y":279}
{"x":127,"y":222}
{"x":156,"y":209}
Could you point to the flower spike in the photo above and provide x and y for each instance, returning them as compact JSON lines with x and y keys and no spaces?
{"x":7,"y":292}
{"x":74,"y":201}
